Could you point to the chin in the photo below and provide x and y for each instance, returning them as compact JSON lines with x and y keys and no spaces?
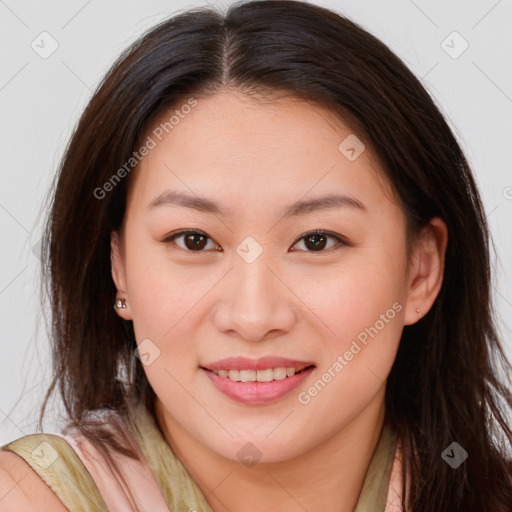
{"x":258,"y":449}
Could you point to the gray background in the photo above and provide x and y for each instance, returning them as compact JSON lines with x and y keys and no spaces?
{"x":42,"y":98}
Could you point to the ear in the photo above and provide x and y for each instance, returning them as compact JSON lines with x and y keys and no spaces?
{"x":118,"y":273}
{"x":426,"y":271}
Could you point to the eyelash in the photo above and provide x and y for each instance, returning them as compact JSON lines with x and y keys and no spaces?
{"x":341,"y":240}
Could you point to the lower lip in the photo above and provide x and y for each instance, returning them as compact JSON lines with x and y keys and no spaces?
{"x":257,"y":393}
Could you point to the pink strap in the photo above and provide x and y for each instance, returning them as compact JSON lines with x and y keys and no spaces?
{"x":142,"y":492}
{"x":395,"y":489}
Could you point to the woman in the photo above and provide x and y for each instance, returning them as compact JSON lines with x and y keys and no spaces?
{"x":298,"y":259}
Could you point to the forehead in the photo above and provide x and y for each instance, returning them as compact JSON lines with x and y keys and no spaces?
{"x":239,"y":150}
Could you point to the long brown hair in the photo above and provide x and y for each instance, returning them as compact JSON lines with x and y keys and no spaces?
{"x":445,"y":384}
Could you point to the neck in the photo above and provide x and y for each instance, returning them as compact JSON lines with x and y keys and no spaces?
{"x":328,"y":477}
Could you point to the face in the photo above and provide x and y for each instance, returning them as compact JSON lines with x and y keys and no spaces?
{"x":255,"y":264}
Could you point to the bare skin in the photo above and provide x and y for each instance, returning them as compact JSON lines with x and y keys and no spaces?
{"x":256,"y":160}
{"x":197,"y":307}
{"x":21,"y":488}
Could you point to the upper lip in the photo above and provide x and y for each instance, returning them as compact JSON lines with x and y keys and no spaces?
{"x":245,"y":363}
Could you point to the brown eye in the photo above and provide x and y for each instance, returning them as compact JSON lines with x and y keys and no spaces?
{"x":317,"y":241}
{"x":193,"y":241}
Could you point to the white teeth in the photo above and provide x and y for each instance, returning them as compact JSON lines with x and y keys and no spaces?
{"x":234,"y":375}
{"x":280,"y":373}
{"x":247,"y":375}
{"x":267,"y":375}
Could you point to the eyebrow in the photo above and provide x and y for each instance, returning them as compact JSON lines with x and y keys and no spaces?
{"x":330,"y":201}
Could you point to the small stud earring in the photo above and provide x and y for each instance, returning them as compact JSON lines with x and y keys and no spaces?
{"x":120,"y":304}
{"x":418,"y":311}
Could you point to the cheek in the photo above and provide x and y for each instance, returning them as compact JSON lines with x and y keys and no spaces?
{"x":361,"y":305}
{"x":162,"y":299}
{"x":354,"y":297}
{"x":363,"y":309}
{"x":161,"y":292}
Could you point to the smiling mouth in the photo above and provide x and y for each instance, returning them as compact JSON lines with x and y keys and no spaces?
{"x":266,"y":375}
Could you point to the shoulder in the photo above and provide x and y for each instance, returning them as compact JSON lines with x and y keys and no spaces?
{"x":43,"y":471}
{"x":22,"y":489}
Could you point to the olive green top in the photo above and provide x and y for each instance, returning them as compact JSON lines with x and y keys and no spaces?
{"x":56,"y":462}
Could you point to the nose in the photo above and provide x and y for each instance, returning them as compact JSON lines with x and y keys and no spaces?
{"x":255,"y":303}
